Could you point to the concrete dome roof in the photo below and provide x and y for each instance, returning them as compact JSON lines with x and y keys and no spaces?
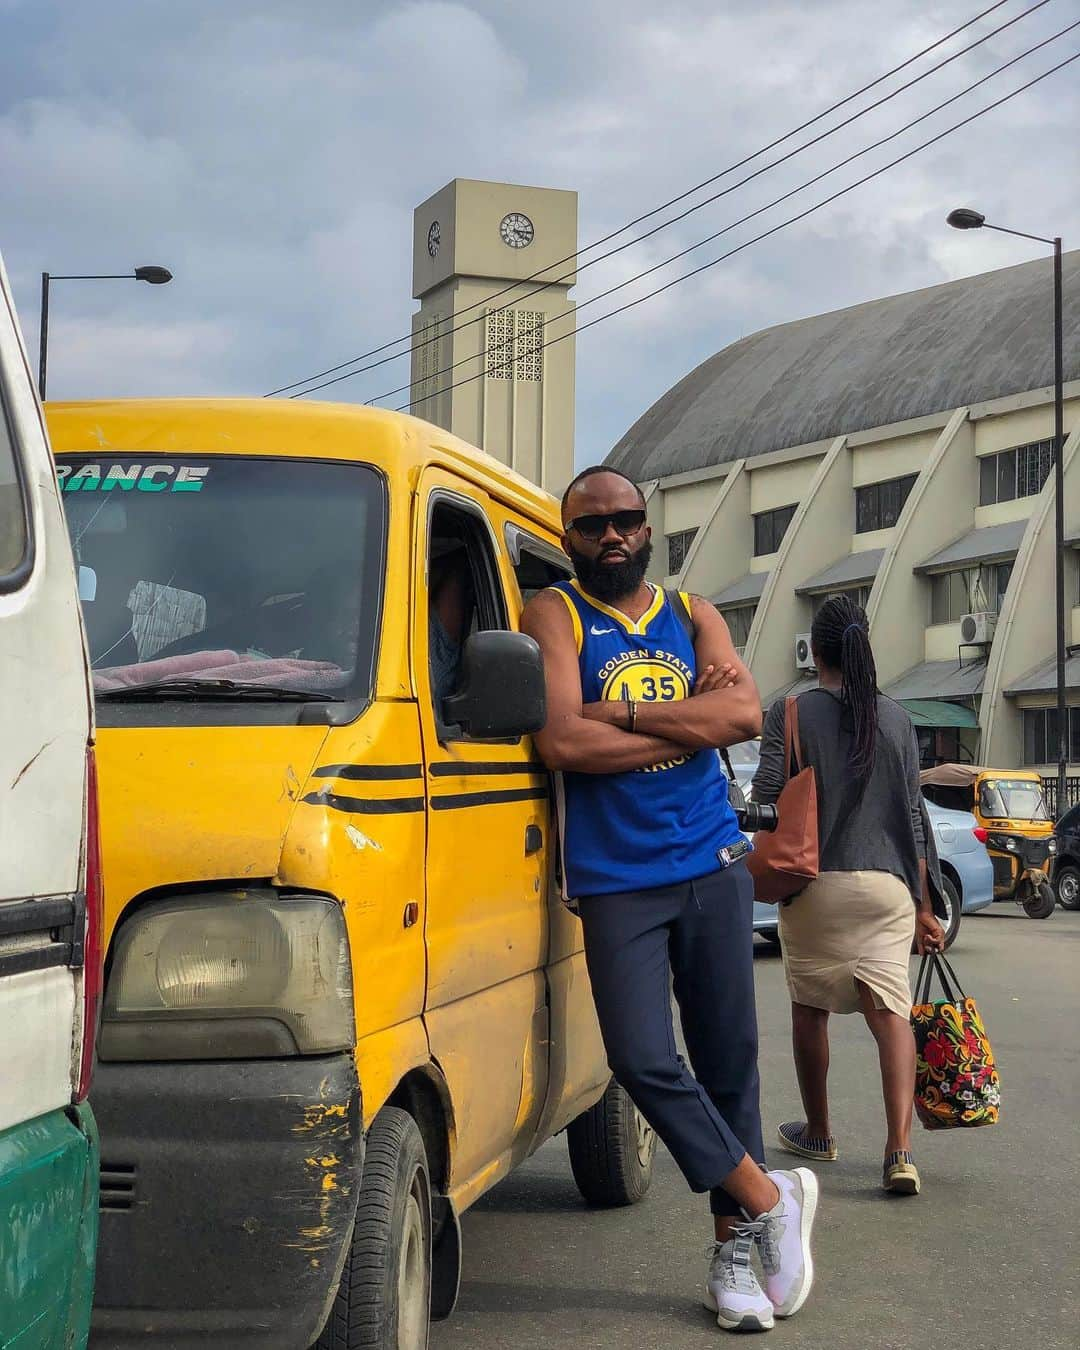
{"x":884,"y":361}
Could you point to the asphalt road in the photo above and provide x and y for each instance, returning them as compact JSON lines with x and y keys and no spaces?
{"x":985,"y":1257}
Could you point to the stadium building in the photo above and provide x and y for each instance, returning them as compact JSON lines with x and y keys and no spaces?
{"x":900,"y":451}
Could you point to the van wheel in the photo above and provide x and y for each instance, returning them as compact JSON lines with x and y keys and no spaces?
{"x":612,"y":1148}
{"x":383,"y":1301}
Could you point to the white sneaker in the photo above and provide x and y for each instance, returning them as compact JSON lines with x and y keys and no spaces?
{"x":783,"y":1235}
{"x":732,"y":1291}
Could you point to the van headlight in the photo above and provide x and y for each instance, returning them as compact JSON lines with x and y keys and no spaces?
{"x":229,"y":975}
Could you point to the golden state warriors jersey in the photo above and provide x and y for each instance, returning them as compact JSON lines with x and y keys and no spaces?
{"x":650,"y":827}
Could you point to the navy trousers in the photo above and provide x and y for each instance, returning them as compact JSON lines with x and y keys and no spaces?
{"x":701,"y":932}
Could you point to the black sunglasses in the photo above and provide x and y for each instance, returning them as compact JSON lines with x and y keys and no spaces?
{"x":595,"y":527}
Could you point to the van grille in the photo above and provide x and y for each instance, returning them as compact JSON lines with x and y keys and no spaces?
{"x":117,"y":1186}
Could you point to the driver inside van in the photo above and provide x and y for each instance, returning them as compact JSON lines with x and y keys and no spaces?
{"x":450,"y":605}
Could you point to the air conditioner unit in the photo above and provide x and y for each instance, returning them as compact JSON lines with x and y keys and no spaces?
{"x":977,"y":630}
{"x":803,"y":658}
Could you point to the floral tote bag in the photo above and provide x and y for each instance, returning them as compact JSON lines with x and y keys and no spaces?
{"x":956,"y":1081}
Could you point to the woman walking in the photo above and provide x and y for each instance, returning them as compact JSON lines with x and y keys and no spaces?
{"x":847,"y":937}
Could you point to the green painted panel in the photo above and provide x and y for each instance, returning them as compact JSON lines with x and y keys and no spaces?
{"x":48,"y":1231}
{"x":932,"y":712}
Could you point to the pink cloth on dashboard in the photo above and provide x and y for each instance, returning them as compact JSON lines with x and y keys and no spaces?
{"x":282,"y":672}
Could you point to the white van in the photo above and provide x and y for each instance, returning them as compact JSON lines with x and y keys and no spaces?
{"x":50,"y":892}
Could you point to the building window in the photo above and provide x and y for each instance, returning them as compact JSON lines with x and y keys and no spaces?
{"x":970,"y":590}
{"x":942,"y":745}
{"x":769,"y":529}
{"x":738,"y":620}
{"x":1020,"y":472}
{"x":678,"y":546}
{"x":1041,"y":735}
{"x":860,"y":594}
{"x":878,"y":505}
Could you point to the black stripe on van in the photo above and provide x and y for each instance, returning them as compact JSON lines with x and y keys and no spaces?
{"x":500,"y":766}
{"x":452,"y":801}
{"x":366,"y":806}
{"x":369,"y":772}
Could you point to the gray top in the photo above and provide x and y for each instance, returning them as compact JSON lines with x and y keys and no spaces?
{"x":884,"y":361}
{"x":880,"y":829}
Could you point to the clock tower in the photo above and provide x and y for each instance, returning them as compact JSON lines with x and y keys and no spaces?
{"x":492,"y":268}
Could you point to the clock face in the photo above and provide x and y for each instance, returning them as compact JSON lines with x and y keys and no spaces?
{"x":516,"y":230}
{"x":434,"y":238}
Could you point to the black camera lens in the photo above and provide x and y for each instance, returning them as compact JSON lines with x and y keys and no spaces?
{"x":756,"y":816}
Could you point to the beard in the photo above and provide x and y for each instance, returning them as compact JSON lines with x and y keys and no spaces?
{"x":611,"y":581}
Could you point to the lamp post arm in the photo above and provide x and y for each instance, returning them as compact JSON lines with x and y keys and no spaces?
{"x":1018,"y":233}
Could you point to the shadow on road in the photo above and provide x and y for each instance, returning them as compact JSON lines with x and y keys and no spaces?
{"x":490,"y":1296}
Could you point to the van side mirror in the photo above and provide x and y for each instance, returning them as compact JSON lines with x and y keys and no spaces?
{"x":501,"y":692}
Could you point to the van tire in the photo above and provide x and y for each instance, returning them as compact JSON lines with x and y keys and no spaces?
{"x":384,"y":1299}
{"x":611,"y":1150}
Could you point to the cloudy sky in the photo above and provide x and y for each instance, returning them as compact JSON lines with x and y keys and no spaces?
{"x":271,"y":155}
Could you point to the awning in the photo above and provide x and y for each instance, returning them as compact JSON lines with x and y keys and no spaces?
{"x":857,"y":569}
{"x":746,"y":591}
{"x":932,"y":712}
{"x":938,"y":680}
{"x":993,"y":543}
{"x":796,"y":687}
{"x":1043,"y":679}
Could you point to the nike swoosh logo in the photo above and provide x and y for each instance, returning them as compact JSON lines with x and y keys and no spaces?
{"x":599,"y":632}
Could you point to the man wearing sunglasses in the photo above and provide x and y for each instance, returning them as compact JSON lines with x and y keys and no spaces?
{"x":644,"y":686}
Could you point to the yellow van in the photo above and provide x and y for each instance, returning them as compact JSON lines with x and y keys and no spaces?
{"x":342,"y":996}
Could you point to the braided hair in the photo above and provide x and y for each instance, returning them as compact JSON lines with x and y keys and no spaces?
{"x":840,"y":638}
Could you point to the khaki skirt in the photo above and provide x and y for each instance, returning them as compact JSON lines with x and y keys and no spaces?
{"x":849,"y":926}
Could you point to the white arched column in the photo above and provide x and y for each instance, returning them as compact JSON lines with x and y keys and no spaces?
{"x":1026,"y":628}
{"x":723,"y":544}
{"x":939,"y":509}
{"x":810,"y":544}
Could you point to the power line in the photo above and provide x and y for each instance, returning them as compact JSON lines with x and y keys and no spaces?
{"x":751,"y":215}
{"x":656,"y":229}
{"x":686,"y":276}
{"x":375,"y":351}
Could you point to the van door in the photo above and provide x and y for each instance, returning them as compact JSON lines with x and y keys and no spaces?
{"x":48,"y":1150}
{"x":578,"y":1069}
{"x":486,"y":921}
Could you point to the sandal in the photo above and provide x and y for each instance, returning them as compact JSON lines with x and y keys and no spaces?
{"x":794,"y":1138}
{"x":900,"y":1175}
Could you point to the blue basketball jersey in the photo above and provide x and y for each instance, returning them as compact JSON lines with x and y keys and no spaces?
{"x":649,"y":827}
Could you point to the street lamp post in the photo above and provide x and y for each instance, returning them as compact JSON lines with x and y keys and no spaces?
{"x":965,"y":219}
{"x":156,"y":276}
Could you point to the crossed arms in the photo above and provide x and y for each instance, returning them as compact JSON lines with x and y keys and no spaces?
{"x":723,"y":709}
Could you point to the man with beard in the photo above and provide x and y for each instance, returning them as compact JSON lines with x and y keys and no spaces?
{"x":640,"y":697}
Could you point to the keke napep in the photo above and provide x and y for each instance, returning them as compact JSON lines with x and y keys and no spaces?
{"x":1013,"y":822}
{"x":342,"y":996}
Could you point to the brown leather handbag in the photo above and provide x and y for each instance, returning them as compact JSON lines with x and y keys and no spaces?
{"x":785,"y":860}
